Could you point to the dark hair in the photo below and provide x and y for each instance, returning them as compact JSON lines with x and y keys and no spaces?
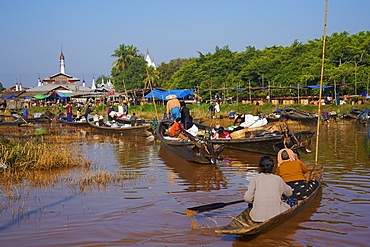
{"x":178,"y":119}
{"x":182,"y":104}
{"x":284,"y":155}
{"x":220,"y":130}
{"x":266,"y":164}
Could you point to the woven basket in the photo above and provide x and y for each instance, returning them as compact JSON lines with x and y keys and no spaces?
{"x":272,"y":128}
{"x":240,"y":134}
{"x":255,"y":128}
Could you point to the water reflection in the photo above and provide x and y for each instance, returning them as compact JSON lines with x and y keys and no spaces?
{"x":198,"y":177}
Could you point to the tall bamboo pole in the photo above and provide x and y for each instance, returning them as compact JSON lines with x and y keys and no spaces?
{"x":151,"y":89}
{"x":321,"y":84}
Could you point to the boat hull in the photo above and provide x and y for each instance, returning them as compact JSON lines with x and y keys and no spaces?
{"x":141,"y":130}
{"x":244,"y":225}
{"x":269,"y":143}
{"x":195,"y":151}
{"x":61,"y":120}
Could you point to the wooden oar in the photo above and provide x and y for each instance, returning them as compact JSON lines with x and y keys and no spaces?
{"x":194,"y":210}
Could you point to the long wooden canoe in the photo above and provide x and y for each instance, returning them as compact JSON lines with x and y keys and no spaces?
{"x":244,"y":225}
{"x":200,"y":151}
{"x":298,"y":115}
{"x":42,"y":118}
{"x":64,"y":121}
{"x":17,"y":122}
{"x":142,"y":130}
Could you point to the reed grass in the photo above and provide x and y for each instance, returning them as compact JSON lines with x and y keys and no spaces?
{"x":33,"y":154}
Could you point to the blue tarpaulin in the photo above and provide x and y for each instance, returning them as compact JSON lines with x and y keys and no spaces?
{"x":318,"y":86}
{"x":180,"y":93}
{"x":9,"y":96}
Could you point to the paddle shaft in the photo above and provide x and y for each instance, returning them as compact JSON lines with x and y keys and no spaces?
{"x":212,"y":206}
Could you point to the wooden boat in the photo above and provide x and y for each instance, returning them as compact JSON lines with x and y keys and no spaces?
{"x":142,"y":130}
{"x":127,"y":121}
{"x":265,"y":142}
{"x":355,"y":111}
{"x":298,"y":115}
{"x":353,"y":114}
{"x":200,"y":150}
{"x":17,"y":122}
{"x":274,"y":116}
{"x":75,"y":123}
{"x":364,"y":117}
{"x":244,"y":225}
{"x":37,"y":118}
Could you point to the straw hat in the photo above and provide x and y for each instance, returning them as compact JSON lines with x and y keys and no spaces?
{"x":171,"y":96}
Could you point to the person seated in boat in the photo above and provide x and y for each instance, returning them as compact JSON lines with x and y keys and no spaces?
{"x":176,"y":128}
{"x":221,"y":134}
{"x":232,"y":114}
{"x":78,"y":114}
{"x":101,"y":122}
{"x":114,"y":124}
{"x":293,"y":170}
{"x":133,"y":119}
{"x":49,"y":113}
{"x":239,"y":119}
{"x":264,"y":192}
{"x":110,"y":109}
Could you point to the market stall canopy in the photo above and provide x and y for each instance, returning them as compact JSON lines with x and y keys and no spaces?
{"x":180,"y":93}
{"x":39,"y":96}
{"x":60,"y":94}
{"x":9,"y":96}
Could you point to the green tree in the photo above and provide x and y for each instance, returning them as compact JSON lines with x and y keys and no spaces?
{"x":1,"y":87}
{"x":166,"y":71}
{"x":125,"y":56}
{"x":129,"y":70}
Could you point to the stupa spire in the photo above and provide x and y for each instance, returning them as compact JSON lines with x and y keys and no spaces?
{"x":62,"y":60}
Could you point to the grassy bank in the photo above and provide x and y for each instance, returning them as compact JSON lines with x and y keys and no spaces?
{"x":148,"y":111}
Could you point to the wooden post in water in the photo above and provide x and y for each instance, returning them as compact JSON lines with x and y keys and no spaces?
{"x":151,"y":89}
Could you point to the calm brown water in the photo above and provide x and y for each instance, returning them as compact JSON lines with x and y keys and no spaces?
{"x":148,"y":209}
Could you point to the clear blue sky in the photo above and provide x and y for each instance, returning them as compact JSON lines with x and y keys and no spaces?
{"x":32,"y":31}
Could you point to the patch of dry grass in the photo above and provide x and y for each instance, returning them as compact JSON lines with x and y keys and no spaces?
{"x":32,"y":154}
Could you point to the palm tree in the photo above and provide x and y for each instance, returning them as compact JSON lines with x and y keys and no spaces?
{"x":125,"y":55}
{"x":152,"y":76}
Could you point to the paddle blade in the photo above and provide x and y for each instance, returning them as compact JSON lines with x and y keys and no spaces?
{"x":194,"y":210}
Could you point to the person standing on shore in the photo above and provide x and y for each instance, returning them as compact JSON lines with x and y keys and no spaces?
{"x":212,"y":110}
{"x":256,"y":109}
